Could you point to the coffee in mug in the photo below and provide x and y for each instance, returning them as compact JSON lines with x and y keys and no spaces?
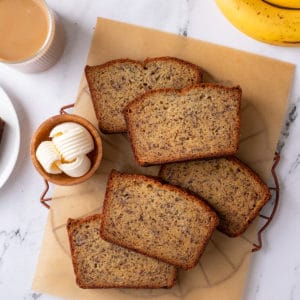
{"x":30,"y":38}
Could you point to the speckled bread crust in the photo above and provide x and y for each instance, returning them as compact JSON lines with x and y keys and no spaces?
{"x":2,"y":124}
{"x":234,"y":190}
{"x":114,"y":84}
{"x":99,"y":264}
{"x":177,"y":125}
{"x":156,"y":219}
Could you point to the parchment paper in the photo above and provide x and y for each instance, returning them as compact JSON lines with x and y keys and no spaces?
{"x":223,"y":268}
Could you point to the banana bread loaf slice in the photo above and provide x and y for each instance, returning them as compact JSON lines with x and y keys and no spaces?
{"x":99,"y":264}
{"x":156,"y":219}
{"x":114,"y":84}
{"x":171,"y":125}
{"x":234,"y":190}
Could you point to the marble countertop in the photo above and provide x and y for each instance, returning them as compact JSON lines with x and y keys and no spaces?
{"x":275,"y":270}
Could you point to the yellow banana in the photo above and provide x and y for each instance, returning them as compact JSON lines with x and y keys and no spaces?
{"x":285,"y":3}
{"x":263,"y":21}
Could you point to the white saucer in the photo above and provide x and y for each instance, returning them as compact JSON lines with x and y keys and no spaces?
{"x":10,"y":142}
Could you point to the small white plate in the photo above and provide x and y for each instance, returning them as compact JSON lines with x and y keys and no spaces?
{"x":10,"y":142}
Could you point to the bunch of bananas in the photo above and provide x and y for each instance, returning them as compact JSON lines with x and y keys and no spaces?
{"x":275,"y":22}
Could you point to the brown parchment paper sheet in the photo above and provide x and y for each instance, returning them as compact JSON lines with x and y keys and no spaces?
{"x":222,"y":271}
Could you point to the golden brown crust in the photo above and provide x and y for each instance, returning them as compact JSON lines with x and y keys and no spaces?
{"x":181,"y":61}
{"x":141,"y":63}
{"x":72,"y":222}
{"x":159,"y":182}
{"x":183,"y":91}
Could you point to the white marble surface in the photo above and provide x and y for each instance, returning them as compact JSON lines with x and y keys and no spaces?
{"x":275,"y":271}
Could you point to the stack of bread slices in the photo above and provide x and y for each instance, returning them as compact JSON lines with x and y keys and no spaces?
{"x":151,"y":226}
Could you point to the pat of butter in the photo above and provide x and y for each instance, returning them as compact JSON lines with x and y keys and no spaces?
{"x":77,"y":168}
{"x":48,"y":156}
{"x":67,"y":150}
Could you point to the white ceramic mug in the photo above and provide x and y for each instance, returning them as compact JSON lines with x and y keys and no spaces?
{"x":51,"y":49}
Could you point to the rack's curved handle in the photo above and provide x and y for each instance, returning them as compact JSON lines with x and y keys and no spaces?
{"x":258,"y":246}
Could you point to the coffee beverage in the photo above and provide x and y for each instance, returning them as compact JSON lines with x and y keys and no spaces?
{"x":23,"y":29}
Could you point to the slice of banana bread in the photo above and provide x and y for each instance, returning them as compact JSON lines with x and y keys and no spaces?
{"x":114,"y":84}
{"x":171,"y":125}
{"x":156,"y":219}
{"x":228,"y":185}
{"x":99,"y":264}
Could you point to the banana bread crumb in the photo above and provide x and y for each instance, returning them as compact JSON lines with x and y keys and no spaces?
{"x":156,"y":219}
{"x":227,"y":184}
{"x":99,"y":264}
{"x":114,"y":84}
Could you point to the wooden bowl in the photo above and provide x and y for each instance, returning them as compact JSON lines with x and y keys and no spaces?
{"x":42,"y":134}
